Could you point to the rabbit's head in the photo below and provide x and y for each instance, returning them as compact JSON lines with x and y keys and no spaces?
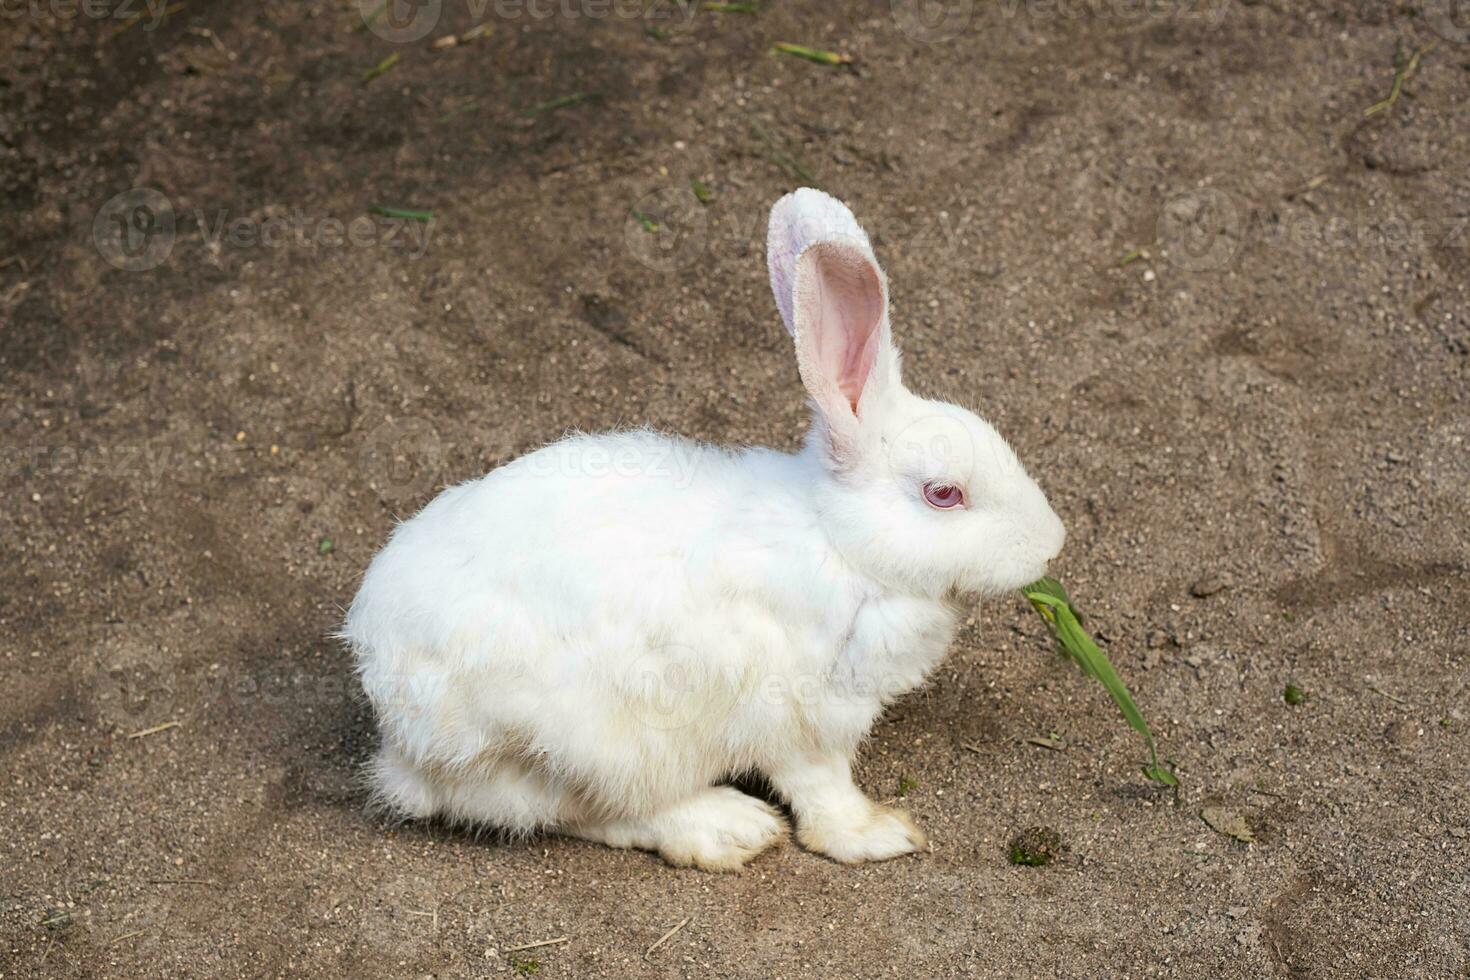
{"x":919,"y":493}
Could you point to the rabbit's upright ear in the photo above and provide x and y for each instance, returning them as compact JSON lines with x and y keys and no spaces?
{"x":834,"y":299}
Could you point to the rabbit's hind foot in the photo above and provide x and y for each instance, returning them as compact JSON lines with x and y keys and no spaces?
{"x":716,"y":829}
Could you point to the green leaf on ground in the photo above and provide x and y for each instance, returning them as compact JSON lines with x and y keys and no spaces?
{"x":1050,"y":600}
{"x":560,"y":102}
{"x":405,"y":213}
{"x":812,"y":54}
{"x":645,"y":222}
{"x":385,"y":65}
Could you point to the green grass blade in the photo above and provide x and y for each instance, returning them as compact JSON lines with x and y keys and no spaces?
{"x":560,"y":102}
{"x":372,"y":18}
{"x":403,"y":213}
{"x":1086,"y":650}
{"x":645,"y":222}
{"x":1050,"y":599}
{"x":1048,"y":586}
{"x":385,"y":65}
{"x":812,"y":54}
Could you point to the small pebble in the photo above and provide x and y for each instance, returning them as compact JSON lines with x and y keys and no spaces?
{"x":1209,"y":585}
{"x":1404,"y":734}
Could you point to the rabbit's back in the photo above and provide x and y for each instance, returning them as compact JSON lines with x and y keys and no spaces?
{"x":629,"y":522}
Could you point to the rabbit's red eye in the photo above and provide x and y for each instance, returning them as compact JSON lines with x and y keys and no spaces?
{"x":943,"y":495}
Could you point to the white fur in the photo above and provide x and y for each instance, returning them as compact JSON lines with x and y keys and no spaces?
{"x":590,"y":638}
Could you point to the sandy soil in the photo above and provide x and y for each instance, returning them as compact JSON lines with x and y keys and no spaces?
{"x":1221,"y":313}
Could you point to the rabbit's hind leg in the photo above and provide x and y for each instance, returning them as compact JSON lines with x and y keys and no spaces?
{"x":501,"y":794}
{"x":400,"y":788}
{"x":508,"y":795}
{"x":716,"y":829}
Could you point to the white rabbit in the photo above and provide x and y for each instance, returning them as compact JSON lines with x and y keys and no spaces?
{"x":591,"y":638}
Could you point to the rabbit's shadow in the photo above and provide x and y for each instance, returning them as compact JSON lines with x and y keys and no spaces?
{"x":338,"y":738}
{"x":359,"y":797}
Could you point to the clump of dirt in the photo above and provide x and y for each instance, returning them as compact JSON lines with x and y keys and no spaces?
{"x":1035,"y":847}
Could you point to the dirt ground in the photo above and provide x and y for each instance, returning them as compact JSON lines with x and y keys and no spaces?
{"x":1223,"y":314}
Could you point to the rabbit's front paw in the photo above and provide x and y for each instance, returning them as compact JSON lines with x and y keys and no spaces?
{"x":877,"y":834}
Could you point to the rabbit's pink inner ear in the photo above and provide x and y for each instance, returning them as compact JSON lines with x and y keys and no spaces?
{"x":839,"y":313}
